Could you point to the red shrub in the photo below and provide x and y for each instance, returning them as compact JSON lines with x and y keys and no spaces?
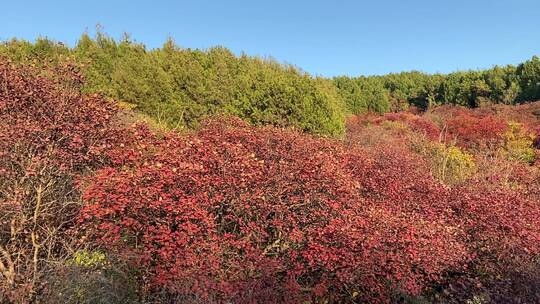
{"x":412,"y":207}
{"x":499,"y":221}
{"x":358,"y":121}
{"x":41,"y":113}
{"x":503,"y":233}
{"x":527,"y":114}
{"x":267,"y":215}
{"x":257,"y":215}
{"x":415,"y":122}
{"x":483,"y":127}
{"x":536,"y":141}
{"x":474,"y":132}
{"x":49,"y":134}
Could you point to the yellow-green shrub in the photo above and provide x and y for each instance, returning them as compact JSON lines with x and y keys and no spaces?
{"x":394,"y":125}
{"x":449,"y":163}
{"x":86,"y":258}
{"x":452,"y":164}
{"x":518,"y":143}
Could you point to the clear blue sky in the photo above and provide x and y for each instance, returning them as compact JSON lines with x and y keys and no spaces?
{"x":326,"y":38}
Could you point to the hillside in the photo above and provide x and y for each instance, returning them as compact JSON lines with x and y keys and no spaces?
{"x":172,"y":175}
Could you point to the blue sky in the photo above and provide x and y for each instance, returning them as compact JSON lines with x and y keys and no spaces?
{"x":325,"y":38}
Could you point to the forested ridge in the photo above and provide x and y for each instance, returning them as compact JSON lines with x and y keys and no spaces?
{"x":179,"y":87}
{"x":173,"y":175}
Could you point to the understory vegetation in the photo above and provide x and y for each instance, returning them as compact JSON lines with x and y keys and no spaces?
{"x":183,"y":176}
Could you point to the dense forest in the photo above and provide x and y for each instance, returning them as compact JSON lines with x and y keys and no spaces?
{"x":173,"y":175}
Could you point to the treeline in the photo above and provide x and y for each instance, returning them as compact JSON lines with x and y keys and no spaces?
{"x":506,"y":85}
{"x":178,"y":87}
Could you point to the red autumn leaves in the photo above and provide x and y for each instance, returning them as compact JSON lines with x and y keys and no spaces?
{"x":255,"y":214}
{"x":250,"y":214}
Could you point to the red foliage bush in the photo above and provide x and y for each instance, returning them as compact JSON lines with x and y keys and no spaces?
{"x":473,"y":132}
{"x":527,"y":114}
{"x":266,"y":215}
{"x":536,"y":141}
{"x":45,"y":114}
{"x":415,"y":122}
{"x":49,"y":134}
{"x":397,"y":185}
{"x":256,"y":215}
{"x":499,"y":221}
{"x":485,"y":126}
{"x":503,"y":233}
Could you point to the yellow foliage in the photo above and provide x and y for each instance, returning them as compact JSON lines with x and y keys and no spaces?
{"x":449,"y":163}
{"x":518,"y":143}
{"x":394,"y":125}
{"x":124,"y":105}
{"x":89,"y":259}
{"x":453,"y":165}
